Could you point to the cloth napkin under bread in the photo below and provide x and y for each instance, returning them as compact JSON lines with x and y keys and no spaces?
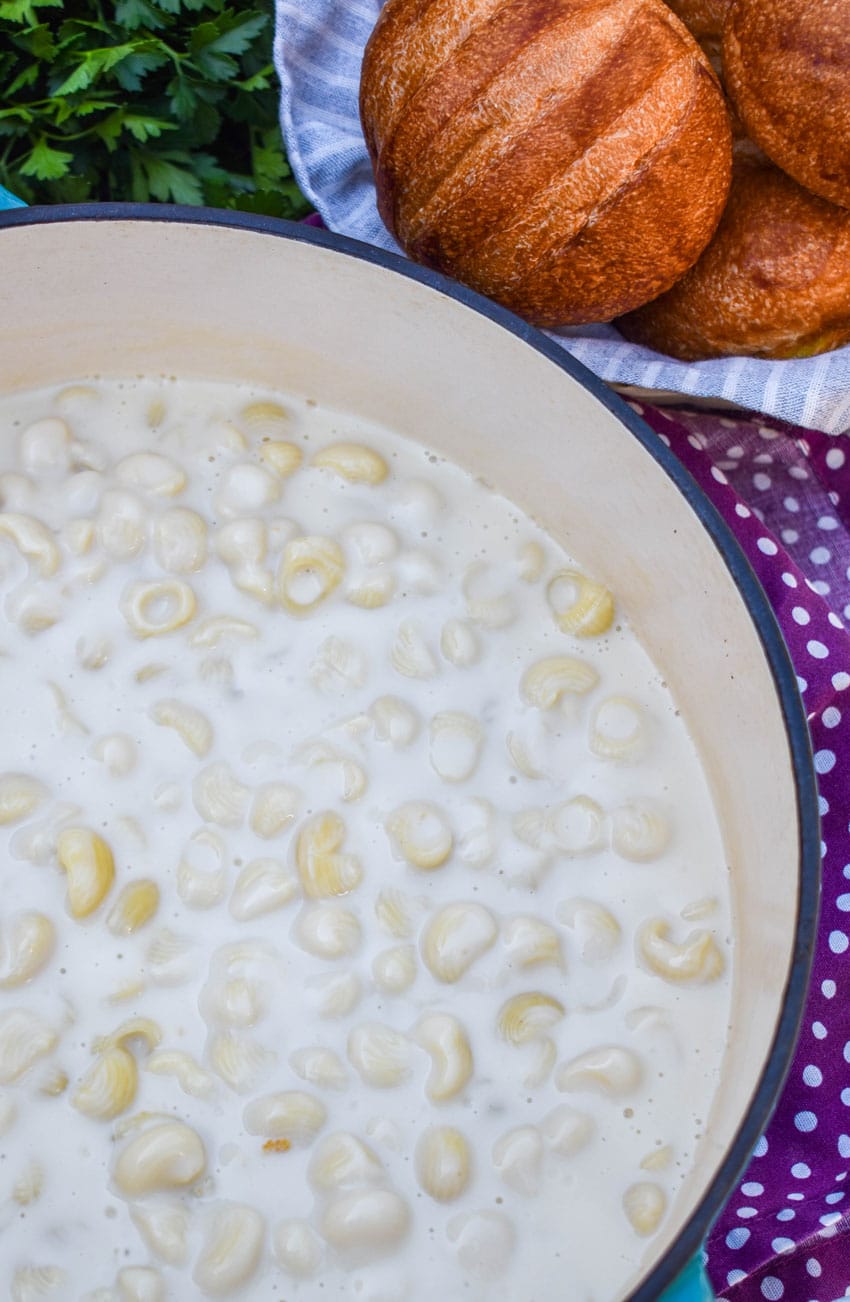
{"x":318,"y":52}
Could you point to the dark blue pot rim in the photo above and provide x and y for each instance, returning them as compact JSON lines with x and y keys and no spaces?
{"x":691,"y":1237}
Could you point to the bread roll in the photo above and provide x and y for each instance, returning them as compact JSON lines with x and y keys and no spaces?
{"x":569,"y":158}
{"x":774,"y":282}
{"x":704,"y":20}
{"x":787,"y":70}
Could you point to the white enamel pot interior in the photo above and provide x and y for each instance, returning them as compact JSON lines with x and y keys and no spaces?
{"x":126,"y":290}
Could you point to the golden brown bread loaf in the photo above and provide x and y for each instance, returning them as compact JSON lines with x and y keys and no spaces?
{"x":568,"y":158}
{"x":704,"y":20}
{"x":787,"y":70}
{"x":774,"y":282}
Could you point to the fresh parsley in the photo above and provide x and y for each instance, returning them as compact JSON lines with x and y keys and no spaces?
{"x":169,"y":100}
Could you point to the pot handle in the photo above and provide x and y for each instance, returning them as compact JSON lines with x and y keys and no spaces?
{"x":691,"y":1286}
{"x":9,"y":200}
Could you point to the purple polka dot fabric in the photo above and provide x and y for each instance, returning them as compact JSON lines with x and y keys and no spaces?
{"x":785,"y":492}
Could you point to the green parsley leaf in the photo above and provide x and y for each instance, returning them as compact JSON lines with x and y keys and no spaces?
{"x":24,"y":11}
{"x":46,"y":163}
{"x":133,"y":14}
{"x":168,"y":181}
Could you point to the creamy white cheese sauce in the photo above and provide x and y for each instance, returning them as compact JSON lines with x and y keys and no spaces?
{"x":566,"y":822}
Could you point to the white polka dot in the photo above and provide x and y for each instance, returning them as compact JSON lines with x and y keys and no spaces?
{"x":767,"y":433}
{"x":841,"y":681}
{"x":830,"y":1218}
{"x":834,"y":1198}
{"x":801,"y":615}
{"x":812,"y":1076}
{"x":791,"y":504}
{"x":823,"y":806}
{"x":787,"y":1214}
{"x":806,"y":1122}
{"x":789,"y":580}
{"x":847,"y":612}
{"x":665,"y":440}
{"x":822,"y":588}
{"x":844,"y":1145}
{"x":767,"y":546}
{"x":838,"y":942}
{"x":829,"y":1232}
{"x":817,"y":650}
{"x":827,"y":523}
{"x":819,"y":1030}
{"x":697,"y":441}
{"x":737,"y":1238}
{"x":798,"y":472}
{"x":824,"y":761}
{"x":800,"y":1171}
{"x":828,"y":989}
{"x":736,"y":451}
{"x":842,"y":1175}
{"x":820,"y":556}
{"x":718,"y":475}
{"x":746,"y":1213}
{"x":790,"y":537}
{"x":772,"y":1288}
{"x":743,"y":511}
{"x":752,"y":1190}
{"x":843,"y":903}
{"x":762,"y":482}
{"x":845,"y":1097}
{"x":831,"y":716}
{"x":735,"y":1276}
{"x":847,"y":1051}
{"x":834,"y":458}
{"x":802,"y":684}
{"x":814,"y":1268}
{"x":760,"y":1148}
{"x":834,"y":497}
{"x":783,"y":1245}
{"x":796,"y":1198}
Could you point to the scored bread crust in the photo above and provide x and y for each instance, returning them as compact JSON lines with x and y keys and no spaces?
{"x":704,"y":19}
{"x":787,"y":70}
{"x":569,"y":158}
{"x":774,"y":282}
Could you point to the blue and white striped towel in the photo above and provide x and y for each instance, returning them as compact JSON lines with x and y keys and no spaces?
{"x":318,"y":51}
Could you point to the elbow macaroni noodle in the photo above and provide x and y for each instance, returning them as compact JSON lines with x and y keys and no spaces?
{"x":362,"y":896}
